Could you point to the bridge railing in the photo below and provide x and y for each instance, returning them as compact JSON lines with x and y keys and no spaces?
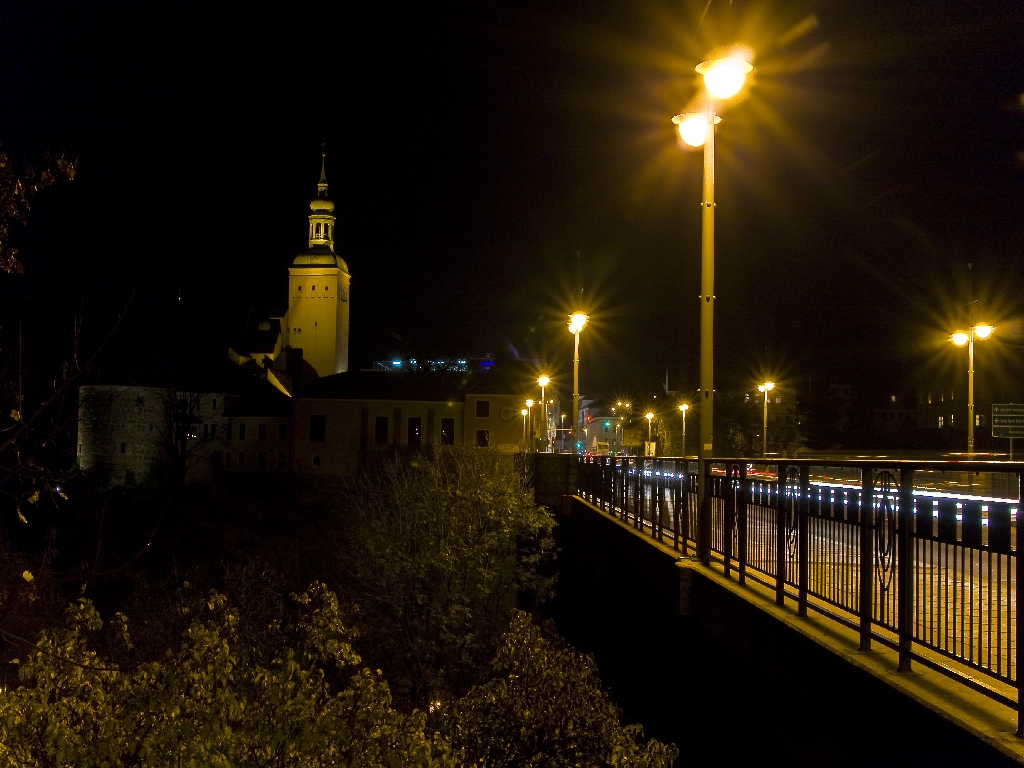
{"x":919,"y":556}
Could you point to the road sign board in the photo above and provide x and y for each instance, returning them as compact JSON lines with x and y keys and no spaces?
{"x":1008,"y":420}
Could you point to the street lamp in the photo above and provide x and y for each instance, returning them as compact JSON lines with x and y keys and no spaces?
{"x":524,"y":412}
{"x":649,"y":416}
{"x":960,"y":338}
{"x":576,"y":322}
{"x":529,"y":409}
{"x":544,"y":381}
{"x":683,"y":409}
{"x":723,"y":78}
{"x":767,"y":387}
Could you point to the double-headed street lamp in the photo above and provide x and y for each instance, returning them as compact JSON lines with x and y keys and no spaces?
{"x":683,"y":409}
{"x":723,"y":78}
{"x":544,"y":381}
{"x":576,"y":322}
{"x":765,"y":388}
{"x":960,"y":338}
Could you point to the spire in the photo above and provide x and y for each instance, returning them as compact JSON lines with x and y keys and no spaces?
{"x":321,"y":186}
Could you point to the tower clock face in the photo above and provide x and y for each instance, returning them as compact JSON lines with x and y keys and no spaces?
{"x":508,"y":413}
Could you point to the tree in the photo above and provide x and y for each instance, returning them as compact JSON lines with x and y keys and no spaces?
{"x":438,"y":558}
{"x":544,"y":707}
{"x":209,"y":702}
{"x":18,"y":188}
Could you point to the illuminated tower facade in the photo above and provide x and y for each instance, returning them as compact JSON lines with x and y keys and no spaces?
{"x":318,"y":293}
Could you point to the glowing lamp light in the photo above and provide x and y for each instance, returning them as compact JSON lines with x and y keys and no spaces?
{"x":543,"y":381}
{"x":523,"y":412}
{"x":768,"y":386}
{"x":724,"y":77}
{"x":529,"y":403}
{"x":693,"y":128}
{"x":983,"y":330}
{"x":576,"y":321}
{"x":960,"y":338}
{"x":648,"y":416}
{"x":684,"y":407}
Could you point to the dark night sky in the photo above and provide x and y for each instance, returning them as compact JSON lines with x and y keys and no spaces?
{"x":475,"y":147}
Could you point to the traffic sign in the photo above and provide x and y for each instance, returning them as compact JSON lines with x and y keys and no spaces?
{"x":1008,"y":420}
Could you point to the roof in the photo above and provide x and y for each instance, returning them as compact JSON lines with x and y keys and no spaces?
{"x":319,"y":256}
{"x":446,"y":386}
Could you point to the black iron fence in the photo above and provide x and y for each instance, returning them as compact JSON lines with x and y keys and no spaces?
{"x":919,"y":556}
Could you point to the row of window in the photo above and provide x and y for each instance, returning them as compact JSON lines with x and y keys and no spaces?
{"x":232,"y":460}
{"x":226,"y":431}
{"x":413,"y":434}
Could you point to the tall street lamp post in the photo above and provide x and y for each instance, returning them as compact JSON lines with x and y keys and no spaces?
{"x":576,"y":322}
{"x":649,"y":416}
{"x":544,"y":381}
{"x":765,"y":388}
{"x":723,"y":78}
{"x":529,"y":409}
{"x":960,"y":338}
{"x":683,"y":409}
{"x":525,"y":411}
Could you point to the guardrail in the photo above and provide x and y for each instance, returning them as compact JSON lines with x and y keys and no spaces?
{"x":903,"y":552}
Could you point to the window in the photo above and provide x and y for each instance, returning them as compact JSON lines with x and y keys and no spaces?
{"x":217,"y":459}
{"x":213,"y":431}
{"x":483,"y":438}
{"x":892,"y":398}
{"x":139,"y":400}
{"x":261,"y":433}
{"x":227,"y":459}
{"x":380,"y":430}
{"x":318,"y":230}
{"x":941,"y":419}
{"x":124,"y":447}
{"x":316,"y":462}
{"x":261,"y":460}
{"x":483,"y":409}
{"x":447,"y":431}
{"x":241,"y":459}
{"x":415,"y":431}
{"x":213,"y":405}
{"x":241,"y":431}
{"x":778,"y":399}
{"x":317,"y":429}
{"x":282,"y":461}
{"x":282,"y":431}
{"x":227,"y":431}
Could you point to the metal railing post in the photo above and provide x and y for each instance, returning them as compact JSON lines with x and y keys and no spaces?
{"x":741,"y":521}
{"x":803,"y":544}
{"x":867,"y":512}
{"x":728,"y":512}
{"x":780,"y":537}
{"x":905,"y":569}
{"x":683,"y":510}
{"x":704,"y":515}
{"x":1018,"y":623}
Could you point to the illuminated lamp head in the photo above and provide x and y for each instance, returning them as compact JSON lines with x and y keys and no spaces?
{"x":983,"y":330}
{"x":724,"y":77}
{"x":960,"y":338}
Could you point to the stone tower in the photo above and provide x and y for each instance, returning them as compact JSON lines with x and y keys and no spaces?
{"x":318,"y":290}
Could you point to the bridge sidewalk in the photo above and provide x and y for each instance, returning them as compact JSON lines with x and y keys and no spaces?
{"x":970,"y":710}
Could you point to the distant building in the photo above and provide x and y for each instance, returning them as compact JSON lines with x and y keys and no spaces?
{"x":310,"y":338}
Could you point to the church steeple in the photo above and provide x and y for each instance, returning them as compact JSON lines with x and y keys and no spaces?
{"x":321,"y":187}
{"x":321,"y":220}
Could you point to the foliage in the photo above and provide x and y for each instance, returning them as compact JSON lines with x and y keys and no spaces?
{"x":208,"y":703}
{"x":545,"y":708}
{"x":438,"y":558}
{"x":18,"y":188}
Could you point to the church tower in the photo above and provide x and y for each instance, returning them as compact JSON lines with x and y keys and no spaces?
{"x":318,"y":285}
